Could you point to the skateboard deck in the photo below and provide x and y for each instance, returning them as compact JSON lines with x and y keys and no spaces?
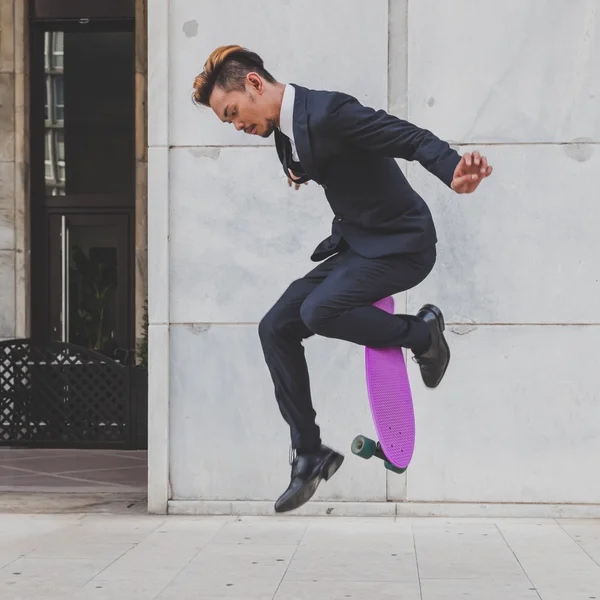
{"x":391,"y":405}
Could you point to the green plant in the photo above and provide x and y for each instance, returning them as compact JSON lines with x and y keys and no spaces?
{"x":92,"y":281}
{"x":142,"y":348}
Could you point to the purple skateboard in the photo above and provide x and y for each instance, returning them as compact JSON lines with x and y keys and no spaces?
{"x":391,"y":405}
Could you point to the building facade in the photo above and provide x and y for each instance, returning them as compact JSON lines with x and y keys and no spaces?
{"x":516,"y":418}
{"x":73,"y":224}
{"x":514,"y":426}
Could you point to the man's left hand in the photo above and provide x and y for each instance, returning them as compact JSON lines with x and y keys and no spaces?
{"x":470,"y":172}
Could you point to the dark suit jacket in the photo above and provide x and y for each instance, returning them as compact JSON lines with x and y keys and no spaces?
{"x":349,"y":149}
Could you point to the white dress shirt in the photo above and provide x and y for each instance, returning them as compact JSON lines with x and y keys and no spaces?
{"x":286,"y":117}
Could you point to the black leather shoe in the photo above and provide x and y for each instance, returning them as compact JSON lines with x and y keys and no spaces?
{"x":434,"y":361}
{"x":307,"y":472}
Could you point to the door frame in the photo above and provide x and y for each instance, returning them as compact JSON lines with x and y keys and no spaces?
{"x":81,"y":9}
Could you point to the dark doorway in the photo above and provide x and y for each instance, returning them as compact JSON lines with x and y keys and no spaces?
{"x":83,"y":184}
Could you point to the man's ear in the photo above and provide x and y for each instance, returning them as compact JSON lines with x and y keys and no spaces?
{"x":254,"y":80}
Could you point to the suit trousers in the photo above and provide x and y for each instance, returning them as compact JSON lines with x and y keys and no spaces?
{"x":335,"y":300}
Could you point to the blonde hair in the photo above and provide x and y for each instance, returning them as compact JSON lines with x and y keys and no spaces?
{"x":227,"y":67}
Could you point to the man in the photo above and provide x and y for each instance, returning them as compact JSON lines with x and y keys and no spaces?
{"x":383,"y":239}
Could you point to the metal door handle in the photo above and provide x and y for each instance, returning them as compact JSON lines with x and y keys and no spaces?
{"x":65,"y":251}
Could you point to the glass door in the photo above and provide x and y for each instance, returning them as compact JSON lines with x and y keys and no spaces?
{"x":89,"y":273}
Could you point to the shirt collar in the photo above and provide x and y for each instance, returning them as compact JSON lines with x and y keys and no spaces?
{"x":286,"y":116}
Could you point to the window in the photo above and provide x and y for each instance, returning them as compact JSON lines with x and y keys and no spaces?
{"x":58,"y":93}
{"x":58,"y":41}
{"x":54,"y":42}
{"x":54,"y":162}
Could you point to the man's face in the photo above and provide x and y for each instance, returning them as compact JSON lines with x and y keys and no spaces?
{"x":248,"y":111}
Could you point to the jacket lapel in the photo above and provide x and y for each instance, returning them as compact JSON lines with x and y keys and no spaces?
{"x":281,"y":150}
{"x":301,"y":135}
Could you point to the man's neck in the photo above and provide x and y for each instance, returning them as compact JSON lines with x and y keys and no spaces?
{"x":278,"y":93}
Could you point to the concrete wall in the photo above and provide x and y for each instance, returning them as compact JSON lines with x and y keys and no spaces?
{"x":516,"y":419}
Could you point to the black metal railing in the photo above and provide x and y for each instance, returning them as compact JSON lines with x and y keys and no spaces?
{"x":61,"y":395}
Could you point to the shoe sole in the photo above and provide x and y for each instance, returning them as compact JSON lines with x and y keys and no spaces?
{"x":327,"y":471}
{"x":440,"y":319}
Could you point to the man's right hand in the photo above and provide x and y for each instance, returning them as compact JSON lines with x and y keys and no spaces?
{"x":296,"y":185}
{"x":290,"y":182}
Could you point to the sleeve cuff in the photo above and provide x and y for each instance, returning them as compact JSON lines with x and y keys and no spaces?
{"x":445,"y":168}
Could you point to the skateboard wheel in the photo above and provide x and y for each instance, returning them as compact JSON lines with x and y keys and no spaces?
{"x":363,"y":446}
{"x":390,"y":467}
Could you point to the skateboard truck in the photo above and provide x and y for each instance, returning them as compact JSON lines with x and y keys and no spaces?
{"x":367,"y":448}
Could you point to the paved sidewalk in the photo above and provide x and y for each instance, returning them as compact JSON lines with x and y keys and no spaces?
{"x":80,"y":471}
{"x":140,"y":557}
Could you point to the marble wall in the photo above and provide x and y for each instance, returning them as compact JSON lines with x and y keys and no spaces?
{"x":14,"y":257}
{"x":515,"y":419}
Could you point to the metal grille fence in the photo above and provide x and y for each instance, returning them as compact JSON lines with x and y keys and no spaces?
{"x":61,"y":395}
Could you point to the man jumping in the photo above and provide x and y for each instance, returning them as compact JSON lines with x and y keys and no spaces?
{"x":383,"y":239}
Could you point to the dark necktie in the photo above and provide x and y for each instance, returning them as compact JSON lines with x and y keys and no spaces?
{"x":296,"y":167}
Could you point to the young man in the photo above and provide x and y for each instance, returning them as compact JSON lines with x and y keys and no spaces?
{"x":383,"y":239}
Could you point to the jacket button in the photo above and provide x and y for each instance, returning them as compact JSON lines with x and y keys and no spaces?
{"x":339,"y":218}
